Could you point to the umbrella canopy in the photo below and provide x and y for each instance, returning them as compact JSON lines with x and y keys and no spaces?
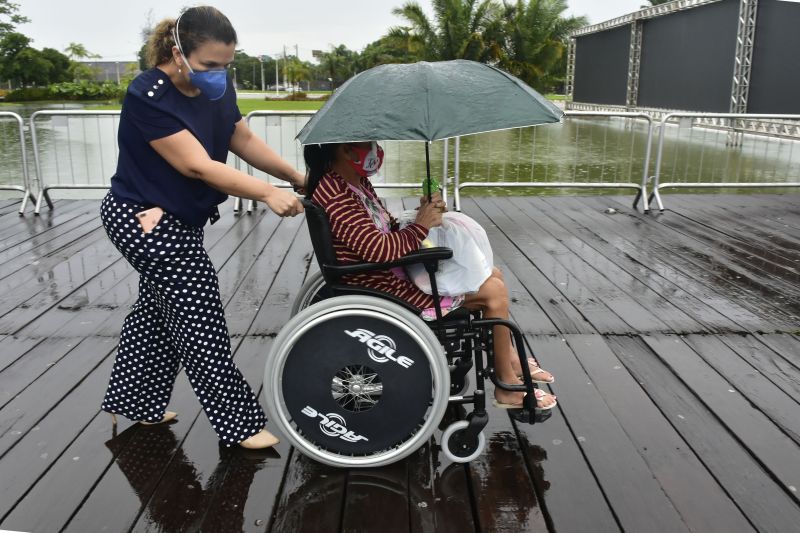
{"x":427,"y":102}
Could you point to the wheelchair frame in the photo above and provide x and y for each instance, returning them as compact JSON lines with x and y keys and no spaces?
{"x":464,"y":336}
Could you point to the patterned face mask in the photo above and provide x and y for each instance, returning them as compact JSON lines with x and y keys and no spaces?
{"x":369,"y":159}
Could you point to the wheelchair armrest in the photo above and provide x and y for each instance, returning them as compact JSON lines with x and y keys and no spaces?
{"x":423,"y":255}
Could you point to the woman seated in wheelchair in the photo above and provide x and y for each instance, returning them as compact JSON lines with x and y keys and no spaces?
{"x":364,"y":231}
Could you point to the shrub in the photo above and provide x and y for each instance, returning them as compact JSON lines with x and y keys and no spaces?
{"x":81,"y":90}
{"x":29,"y":94}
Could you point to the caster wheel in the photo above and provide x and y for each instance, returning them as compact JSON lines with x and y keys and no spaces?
{"x":457,"y":451}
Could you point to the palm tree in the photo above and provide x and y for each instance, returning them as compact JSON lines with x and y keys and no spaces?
{"x":458,"y":31}
{"x":535,"y":40}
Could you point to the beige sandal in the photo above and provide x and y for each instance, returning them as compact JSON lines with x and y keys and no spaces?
{"x":539,"y":394}
{"x":534,"y":369}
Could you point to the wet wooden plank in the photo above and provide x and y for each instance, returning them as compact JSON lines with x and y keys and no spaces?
{"x":261,"y":305}
{"x":505,"y":495}
{"x":750,"y":220}
{"x":776,"y":451}
{"x":558,"y":308}
{"x":69,"y":479}
{"x":775,"y":403}
{"x":439,"y":496}
{"x":377,"y":499}
{"x":37,"y":362}
{"x":36,"y":404}
{"x":245,"y":498}
{"x":692,"y":489}
{"x":723,"y":454}
{"x":761,"y":245}
{"x":736,"y":255}
{"x":30,"y":238}
{"x":618,"y":237}
{"x":312,"y":496}
{"x":79,"y":312}
{"x":775,"y":356}
{"x":677,"y":309}
{"x":563,"y":478}
{"x":16,"y":229}
{"x":684,"y":254}
{"x":27,"y":290}
{"x":106,"y":300}
{"x":607,"y":308}
{"x":188,"y":394}
{"x":634,"y":494}
{"x":43,"y":443}
{"x":126,"y":485}
{"x":13,"y":347}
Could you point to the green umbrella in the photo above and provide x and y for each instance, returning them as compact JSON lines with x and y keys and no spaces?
{"x":427,"y":102}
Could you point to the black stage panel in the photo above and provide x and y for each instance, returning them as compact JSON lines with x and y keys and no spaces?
{"x":688,"y":57}
{"x":601,"y":67}
{"x":775,"y":80}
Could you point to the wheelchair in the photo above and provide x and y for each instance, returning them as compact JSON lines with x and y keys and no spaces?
{"x":357,"y":379}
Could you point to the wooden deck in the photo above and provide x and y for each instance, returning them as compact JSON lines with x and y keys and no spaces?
{"x":673,"y":338}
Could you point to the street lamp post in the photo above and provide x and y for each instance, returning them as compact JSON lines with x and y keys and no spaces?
{"x":262,"y":59}
{"x":276,"y":77}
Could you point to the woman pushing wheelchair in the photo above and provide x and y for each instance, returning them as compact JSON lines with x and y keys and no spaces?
{"x":363,"y":230}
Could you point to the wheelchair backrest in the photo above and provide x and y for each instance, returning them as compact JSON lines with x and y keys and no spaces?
{"x":319,"y":227}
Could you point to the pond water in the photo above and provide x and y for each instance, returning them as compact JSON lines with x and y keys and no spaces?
{"x":83,"y":150}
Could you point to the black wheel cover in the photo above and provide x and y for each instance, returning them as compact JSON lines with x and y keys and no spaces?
{"x":325,"y":349}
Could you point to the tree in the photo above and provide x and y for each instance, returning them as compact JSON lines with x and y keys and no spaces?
{"x":339,"y":64}
{"x":79,"y":51}
{"x":60,"y":65}
{"x":11,"y":11}
{"x":11,"y":45}
{"x":458,"y":31}
{"x":398,"y":46}
{"x":535,"y":40}
{"x":30,"y":67}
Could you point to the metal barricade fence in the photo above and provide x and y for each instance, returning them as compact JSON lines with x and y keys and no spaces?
{"x":589,"y":150}
{"x":14,"y":174}
{"x":726,"y":150}
{"x":71,"y":152}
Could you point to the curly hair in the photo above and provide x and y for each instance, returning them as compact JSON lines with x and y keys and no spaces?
{"x":198,"y":25}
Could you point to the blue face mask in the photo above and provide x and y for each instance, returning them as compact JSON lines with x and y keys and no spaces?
{"x":212,"y":83}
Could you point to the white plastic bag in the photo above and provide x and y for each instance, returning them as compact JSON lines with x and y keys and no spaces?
{"x":472,"y":261}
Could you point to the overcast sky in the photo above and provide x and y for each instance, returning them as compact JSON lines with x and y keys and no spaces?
{"x":112,"y":28}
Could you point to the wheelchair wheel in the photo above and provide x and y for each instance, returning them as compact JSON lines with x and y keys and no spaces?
{"x":309,"y":293}
{"x":456,"y":448}
{"x":356,"y":381}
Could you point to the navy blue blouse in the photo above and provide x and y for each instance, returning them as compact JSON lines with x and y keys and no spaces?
{"x":153,"y":108}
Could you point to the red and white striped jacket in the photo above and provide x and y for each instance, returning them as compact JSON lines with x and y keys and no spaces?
{"x":356,"y":239}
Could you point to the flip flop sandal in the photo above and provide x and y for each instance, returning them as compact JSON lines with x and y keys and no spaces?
{"x":538,"y":393}
{"x":534,"y":369}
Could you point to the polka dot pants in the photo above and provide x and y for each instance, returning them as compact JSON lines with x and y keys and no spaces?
{"x":177,"y":320}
